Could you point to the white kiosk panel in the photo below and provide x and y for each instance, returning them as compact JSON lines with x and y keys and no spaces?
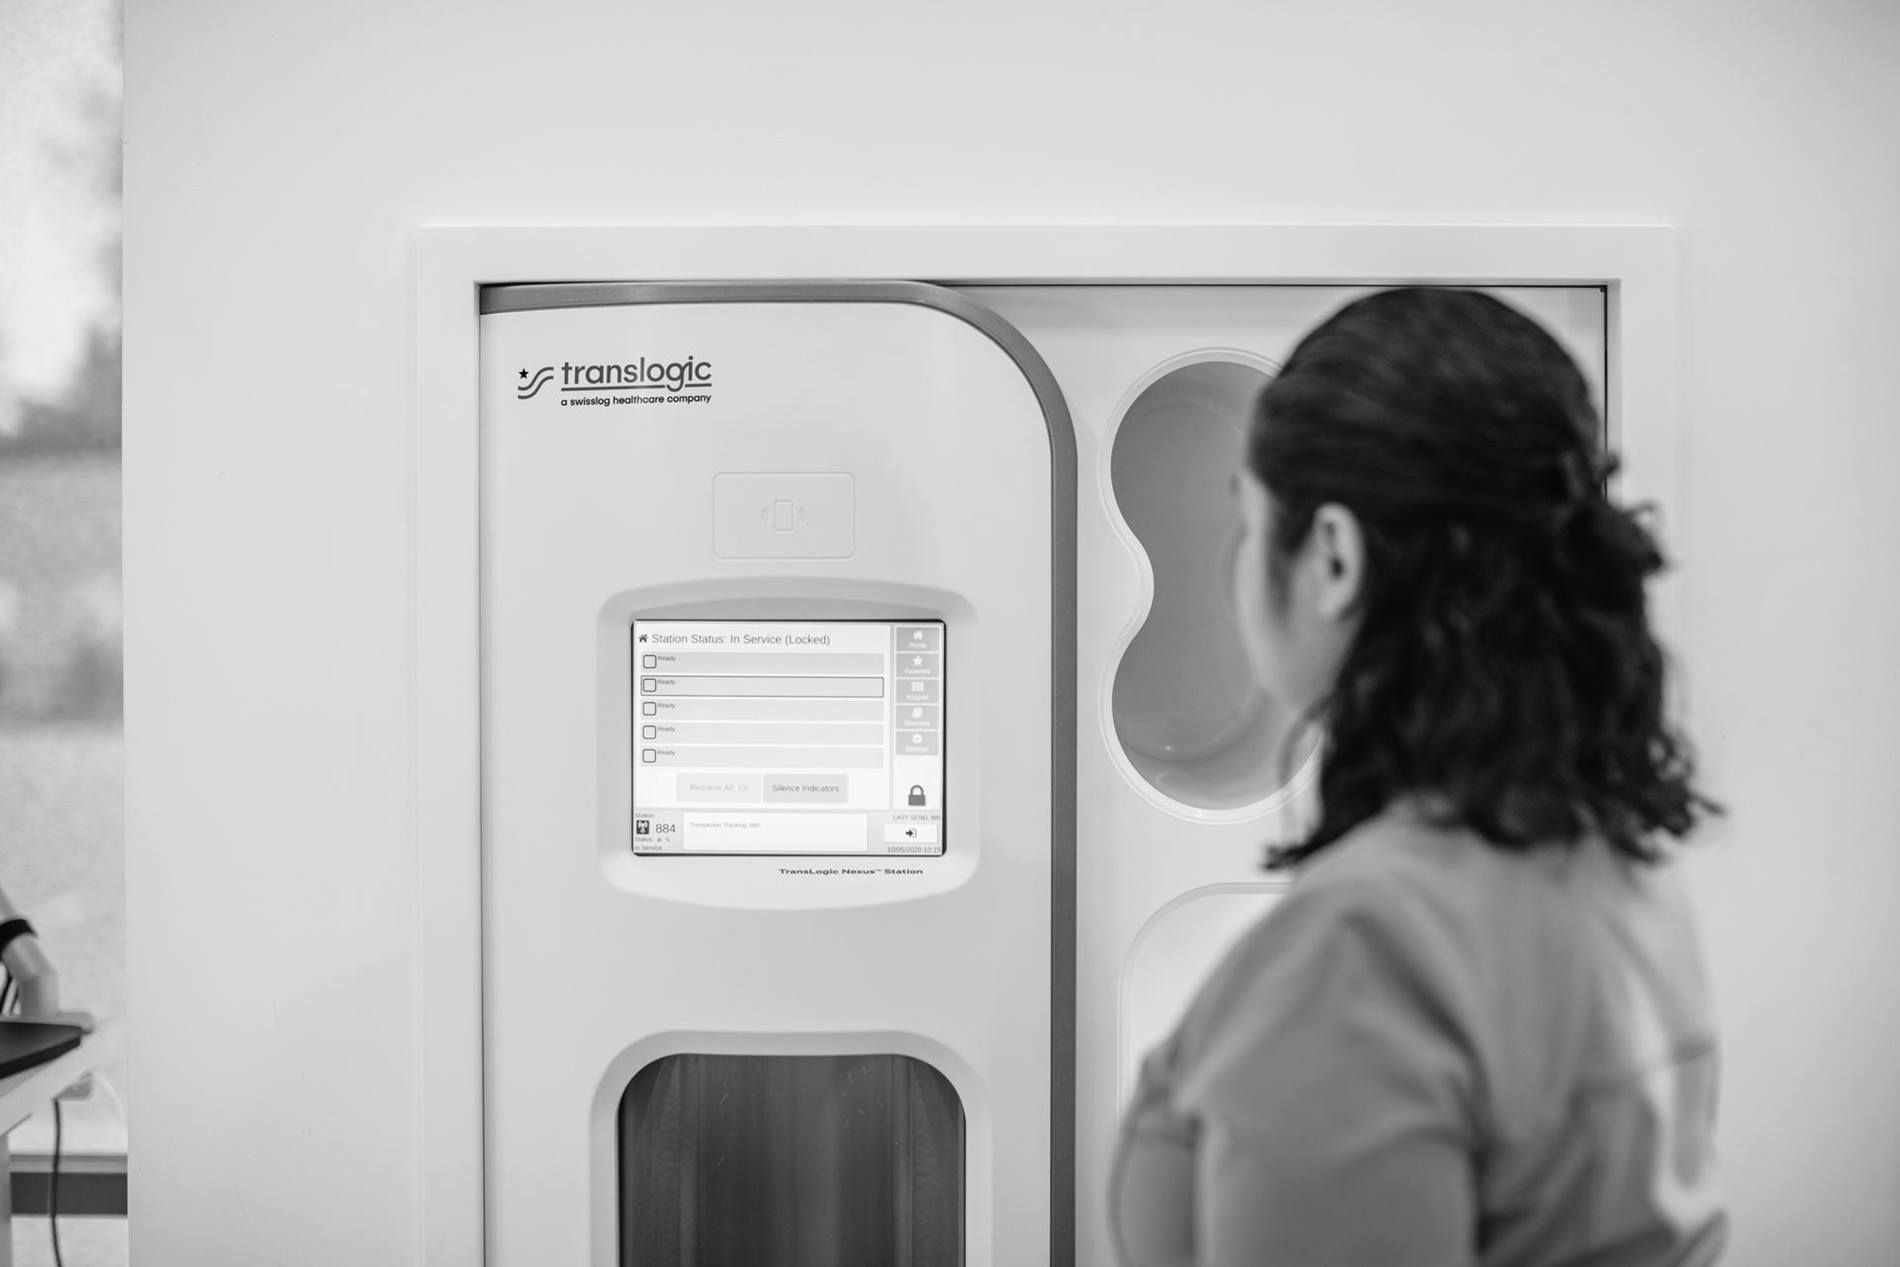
{"x":841,"y":517}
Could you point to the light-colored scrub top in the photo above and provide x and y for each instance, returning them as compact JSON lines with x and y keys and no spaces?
{"x":1433,"y":1052}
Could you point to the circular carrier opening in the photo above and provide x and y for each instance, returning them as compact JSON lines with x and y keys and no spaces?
{"x":1186,"y":710}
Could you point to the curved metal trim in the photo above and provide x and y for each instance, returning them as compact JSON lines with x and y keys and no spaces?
{"x":1062,"y":486}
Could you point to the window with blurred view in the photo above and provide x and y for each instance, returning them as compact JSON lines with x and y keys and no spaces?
{"x":61,"y":734}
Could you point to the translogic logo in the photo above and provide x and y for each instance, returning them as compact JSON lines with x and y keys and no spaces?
{"x":641,"y":382}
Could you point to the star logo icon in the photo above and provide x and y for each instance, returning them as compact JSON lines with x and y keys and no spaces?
{"x":532,"y":383}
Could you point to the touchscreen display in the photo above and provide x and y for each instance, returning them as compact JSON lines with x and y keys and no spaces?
{"x":788,"y":737}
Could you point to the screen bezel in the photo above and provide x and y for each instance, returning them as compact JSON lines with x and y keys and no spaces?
{"x":866,"y":856}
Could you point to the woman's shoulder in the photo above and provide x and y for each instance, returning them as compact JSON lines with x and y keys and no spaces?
{"x":1388,"y":909}
{"x":1539,"y":950}
{"x":1411,"y":859}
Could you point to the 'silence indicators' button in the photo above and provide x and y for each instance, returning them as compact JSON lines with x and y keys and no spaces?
{"x":805,"y":789}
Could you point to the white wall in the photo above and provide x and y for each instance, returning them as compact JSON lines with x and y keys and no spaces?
{"x":280,"y":154}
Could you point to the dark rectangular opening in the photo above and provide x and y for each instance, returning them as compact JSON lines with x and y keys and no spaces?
{"x":791,"y":1161}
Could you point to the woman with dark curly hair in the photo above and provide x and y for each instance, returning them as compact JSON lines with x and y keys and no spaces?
{"x":1475,"y":1030}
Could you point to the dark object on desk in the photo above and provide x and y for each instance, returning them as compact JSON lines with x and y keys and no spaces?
{"x":24,"y":1043}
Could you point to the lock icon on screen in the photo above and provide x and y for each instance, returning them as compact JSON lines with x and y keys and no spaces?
{"x":916,"y":794}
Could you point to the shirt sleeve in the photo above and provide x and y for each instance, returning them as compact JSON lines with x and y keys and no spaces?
{"x":1151,"y":1187}
{"x":1331,"y":1082}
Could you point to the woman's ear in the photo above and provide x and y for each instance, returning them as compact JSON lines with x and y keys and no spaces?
{"x":1338,"y":560}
